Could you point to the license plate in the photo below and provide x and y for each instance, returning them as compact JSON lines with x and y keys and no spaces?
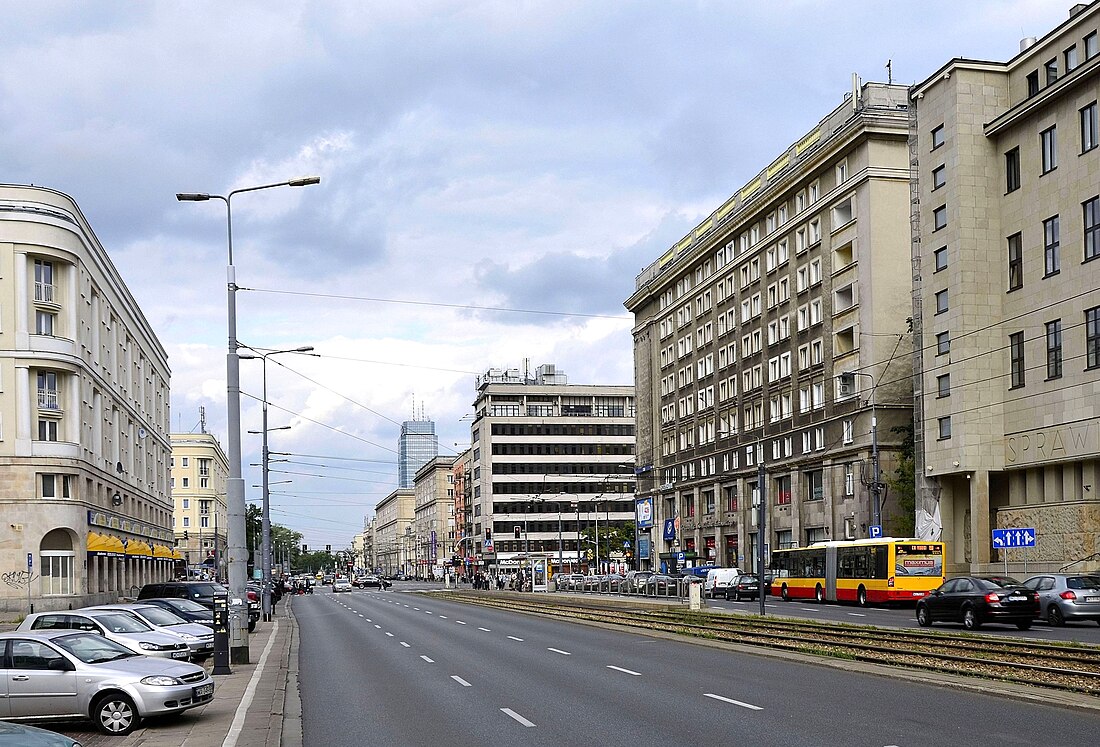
{"x":1092,"y":599}
{"x":203,"y":690}
{"x":180,"y":654}
{"x":1017,"y":598}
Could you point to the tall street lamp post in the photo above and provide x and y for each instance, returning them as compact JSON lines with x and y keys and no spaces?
{"x":265,"y":514}
{"x":236,"y":550}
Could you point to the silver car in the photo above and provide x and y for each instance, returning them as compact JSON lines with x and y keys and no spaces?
{"x":66,"y":674}
{"x":1067,"y":597}
{"x":120,"y":627}
{"x":199,"y":638}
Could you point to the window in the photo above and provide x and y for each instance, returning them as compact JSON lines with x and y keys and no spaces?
{"x":47,"y":429}
{"x":842,"y":171}
{"x":1012,"y":170}
{"x":939,"y":177}
{"x":1070,"y":57}
{"x":937,"y":137}
{"x":943,"y":343}
{"x":1054,"y":349}
{"x":1089,"y":134}
{"x":849,"y":479}
{"x":1016,"y":358}
{"x":847,"y":431}
{"x":944,"y":425}
{"x":1015,"y":262}
{"x":1091,"y":209}
{"x":1051,"y":70}
{"x":187,"y":482}
{"x":1032,"y":83}
{"x":56,"y":486}
{"x":1052,"y":261}
{"x":44,"y":322}
{"x":187,"y":503}
{"x":1048,"y":139}
{"x":43,"y":281}
{"x":943,"y":385}
{"x":187,"y":461}
{"x":1091,"y":46}
{"x":941,"y":258}
{"x":939,"y":218}
{"x":187,"y":521}
{"x":941,"y":301}
{"x":1092,"y":337}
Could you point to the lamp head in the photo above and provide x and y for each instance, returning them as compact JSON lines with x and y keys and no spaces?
{"x":304,"y":181}
{"x":192,"y":196}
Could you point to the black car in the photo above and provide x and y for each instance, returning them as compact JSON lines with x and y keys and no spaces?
{"x":201,"y":592}
{"x":974,"y":600}
{"x":185,"y":608}
{"x":747,"y":586}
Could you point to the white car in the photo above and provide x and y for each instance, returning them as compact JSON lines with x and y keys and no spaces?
{"x":720,"y":582}
{"x":120,"y":627}
{"x":199,"y":638}
{"x":341,"y":584}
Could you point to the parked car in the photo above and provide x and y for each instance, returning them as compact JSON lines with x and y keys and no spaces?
{"x":1067,"y":597}
{"x":634,"y":583}
{"x":199,"y":638}
{"x":120,"y":627}
{"x":747,"y":586}
{"x":718,"y":580}
{"x":18,"y":735}
{"x":67,"y":674}
{"x":201,"y":592}
{"x":341,"y":584}
{"x":185,"y":608}
{"x":660,"y":584}
{"x":974,"y":600}
{"x":370,"y":581}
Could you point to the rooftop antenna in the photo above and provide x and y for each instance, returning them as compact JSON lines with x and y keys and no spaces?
{"x":889,"y":72}
{"x":202,"y":419}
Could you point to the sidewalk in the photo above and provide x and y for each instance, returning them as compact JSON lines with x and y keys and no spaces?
{"x":273,"y":716}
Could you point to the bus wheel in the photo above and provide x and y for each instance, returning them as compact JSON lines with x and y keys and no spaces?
{"x":785,"y":594}
{"x":819,"y":594}
{"x":861,"y":597}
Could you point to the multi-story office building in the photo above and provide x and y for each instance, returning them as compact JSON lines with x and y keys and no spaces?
{"x":463,"y":546}
{"x":200,"y":471}
{"x":550,"y":460}
{"x":393,"y":531}
{"x":775,"y":336}
{"x":84,"y":443}
{"x":1006,"y":238}
{"x":434,"y":523}
{"x":416,"y":446}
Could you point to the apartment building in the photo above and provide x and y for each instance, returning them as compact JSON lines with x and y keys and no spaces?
{"x":1006,"y":305}
{"x":464,"y":529}
{"x":200,"y":471}
{"x":434,"y":522}
{"x":772,"y":340}
{"x":550,"y":461}
{"x":84,"y":444}
{"x":393,"y":532}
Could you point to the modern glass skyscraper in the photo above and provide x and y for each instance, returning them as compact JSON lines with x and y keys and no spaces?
{"x":418,"y":446}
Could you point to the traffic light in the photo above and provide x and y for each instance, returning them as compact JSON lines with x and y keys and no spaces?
{"x":488,"y":535}
{"x":516,"y":529}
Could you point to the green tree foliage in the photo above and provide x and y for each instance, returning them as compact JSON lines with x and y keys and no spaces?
{"x":903,"y":485}
{"x":620,"y":537}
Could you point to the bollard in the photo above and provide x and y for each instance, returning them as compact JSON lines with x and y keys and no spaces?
{"x":695,"y":596}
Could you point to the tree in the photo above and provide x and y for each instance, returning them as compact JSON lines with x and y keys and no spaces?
{"x":618,"y":537}
{"x":904,"y":485}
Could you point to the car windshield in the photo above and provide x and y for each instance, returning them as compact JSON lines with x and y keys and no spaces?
{"x":998,"y":582}
{"x":1083,"y":582}
{"x":188,"y":606}
{"x":121,"y":622}
{"x":160,"y":616}
{"x":92,"y":649}
{"x":204,"y":590}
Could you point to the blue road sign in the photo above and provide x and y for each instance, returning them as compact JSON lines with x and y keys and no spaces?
{"x":680,"y":557}
{"x":875,"y":531}
{"x":1018,"y":537}
{"x":30,"y":561}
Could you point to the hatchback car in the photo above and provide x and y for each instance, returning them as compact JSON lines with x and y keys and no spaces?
{"x":199,"y":638}
{"x":185,"y":608}
{"x":120,"y":627}
{"x":974,"y":600}
{"x":1067,"y":597}
{"x":66,"y":674}
{"x":747,"y":586}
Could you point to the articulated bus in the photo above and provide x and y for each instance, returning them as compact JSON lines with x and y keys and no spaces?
{"x":866,"y":571}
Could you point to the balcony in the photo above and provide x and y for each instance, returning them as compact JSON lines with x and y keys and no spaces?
{"x":44,"y":292}
{"x":48,"y":399}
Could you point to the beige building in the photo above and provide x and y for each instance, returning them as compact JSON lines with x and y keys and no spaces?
{"x":200,"y":470}
{"x":1006,"y":304}
{"x":434,"y":522}
{"x":84,"y":444}
{"x":393,"y":532}
{"x":773,"y":335}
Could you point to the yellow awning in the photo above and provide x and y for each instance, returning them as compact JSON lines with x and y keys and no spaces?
{"x":104,"y":544}
{"x":160,"y":551}
{"x":176,"y":554}
{"x":95,"y":542}
{"x":114,"y":544}
{"x":137,"y":547}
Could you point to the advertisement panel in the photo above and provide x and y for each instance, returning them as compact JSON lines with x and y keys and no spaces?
{"x":918,"y":560}
{"x":644,"y":512}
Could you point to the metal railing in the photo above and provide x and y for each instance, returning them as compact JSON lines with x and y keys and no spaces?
{"x":44,"y":292}
{"x":48,"y":399}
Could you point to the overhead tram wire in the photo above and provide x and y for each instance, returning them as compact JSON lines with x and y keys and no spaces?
{"x":318,"y":422}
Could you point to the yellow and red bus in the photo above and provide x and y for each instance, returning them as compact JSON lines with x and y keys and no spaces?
{"x":868,"y":571}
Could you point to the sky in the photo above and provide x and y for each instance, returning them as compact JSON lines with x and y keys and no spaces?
{"x":494,"y":175}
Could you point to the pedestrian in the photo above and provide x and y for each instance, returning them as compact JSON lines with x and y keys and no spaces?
{"x":383,"y":583}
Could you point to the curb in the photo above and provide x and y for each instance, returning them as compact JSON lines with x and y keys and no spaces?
{"x":291,"y":733}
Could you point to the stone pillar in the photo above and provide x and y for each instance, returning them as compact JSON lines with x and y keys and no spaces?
{"x":980,"y":536}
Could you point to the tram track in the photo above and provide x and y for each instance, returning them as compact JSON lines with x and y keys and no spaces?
{"x":1068,"y":667}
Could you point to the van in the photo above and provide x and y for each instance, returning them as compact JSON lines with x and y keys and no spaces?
{"x":719,"y":581}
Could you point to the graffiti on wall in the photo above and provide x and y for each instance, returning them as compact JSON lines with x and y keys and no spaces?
{"x":19,"y":578}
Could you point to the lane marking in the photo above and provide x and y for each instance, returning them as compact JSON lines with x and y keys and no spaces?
{"x":404,"y":644}
{"x":378,"y":626}
{"x":427,"y":612}
{"x":486,"y":630}
{"x":415,"y":608}
{"x":250,"y":691}
{"x":460,"y":622}
{"x":442,"y":617}
{"x":857,"y":614}
{"x":427,"y":659}
{"x":559,"y":651}
{"x":389,"y":635}
{"x":624,"y":671}
{"x":750,"y":706}
{"x":516,"y":716}
{"x":360,"y":614}
{"x":460,"y":681}
{"x":516,"y":639}
{"x":368,"y":619}
{"x":809,"y":609}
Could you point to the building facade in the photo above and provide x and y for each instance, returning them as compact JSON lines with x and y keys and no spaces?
{"x":393,"y":532}
{"x":416,"y":446}
{"x":465,"y":539}
{"x":434,"y":523}
{"x":771,"y":341}
{"x":550,"y":460}
{"x":1006,"y":302}
{"x":200,"y":471}
{"x":84,"y":444}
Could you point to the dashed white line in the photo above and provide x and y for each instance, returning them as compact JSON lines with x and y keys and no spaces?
{"x":750,"y":706}
{"x":360,"y":614}
{"x":559,"y":651}
{"x":427,"y":659}
{"x":809,"y":609}
{"x":378,"y":626}
{"x":460,"y":681}
{"x":624,"y":671}
{"x":857,"y":614}
{"x":516,"y":716}
{"x":390,"y":635}
{"x":442,"y":617}
{"x":404,"y":644}
{"x":486,"y":630}
{"x":427,"y":612}
{"x":416,"y":608}
{"x":516,"y":639}
{"x":460,"y":622}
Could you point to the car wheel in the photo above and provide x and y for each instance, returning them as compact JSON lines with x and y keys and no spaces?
{"x":819,"y":594}
{"x":1024,"y":625}
{"x":1055,"y":616}
{"x":115,"y":714}
{"x":737,"y":596}
{"x":785,"y":594}
{"x":861,"y":597}
{"x":970,"y":619}
{"x":924,"y":619}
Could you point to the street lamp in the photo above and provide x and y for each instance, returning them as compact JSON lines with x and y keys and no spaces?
{"x":236,"y":548}
{"x":876,"y":477}
{"x":265,"y":515}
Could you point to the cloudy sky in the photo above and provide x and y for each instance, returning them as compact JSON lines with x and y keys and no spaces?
{"x":494,"y":175}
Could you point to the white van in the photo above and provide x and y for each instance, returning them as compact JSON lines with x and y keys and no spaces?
{"x":719,"y":581}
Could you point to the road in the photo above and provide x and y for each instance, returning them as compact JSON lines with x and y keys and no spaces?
{"x":401,"y":668}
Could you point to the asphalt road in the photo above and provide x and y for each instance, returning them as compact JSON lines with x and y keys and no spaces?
{"x":400,"y":668}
